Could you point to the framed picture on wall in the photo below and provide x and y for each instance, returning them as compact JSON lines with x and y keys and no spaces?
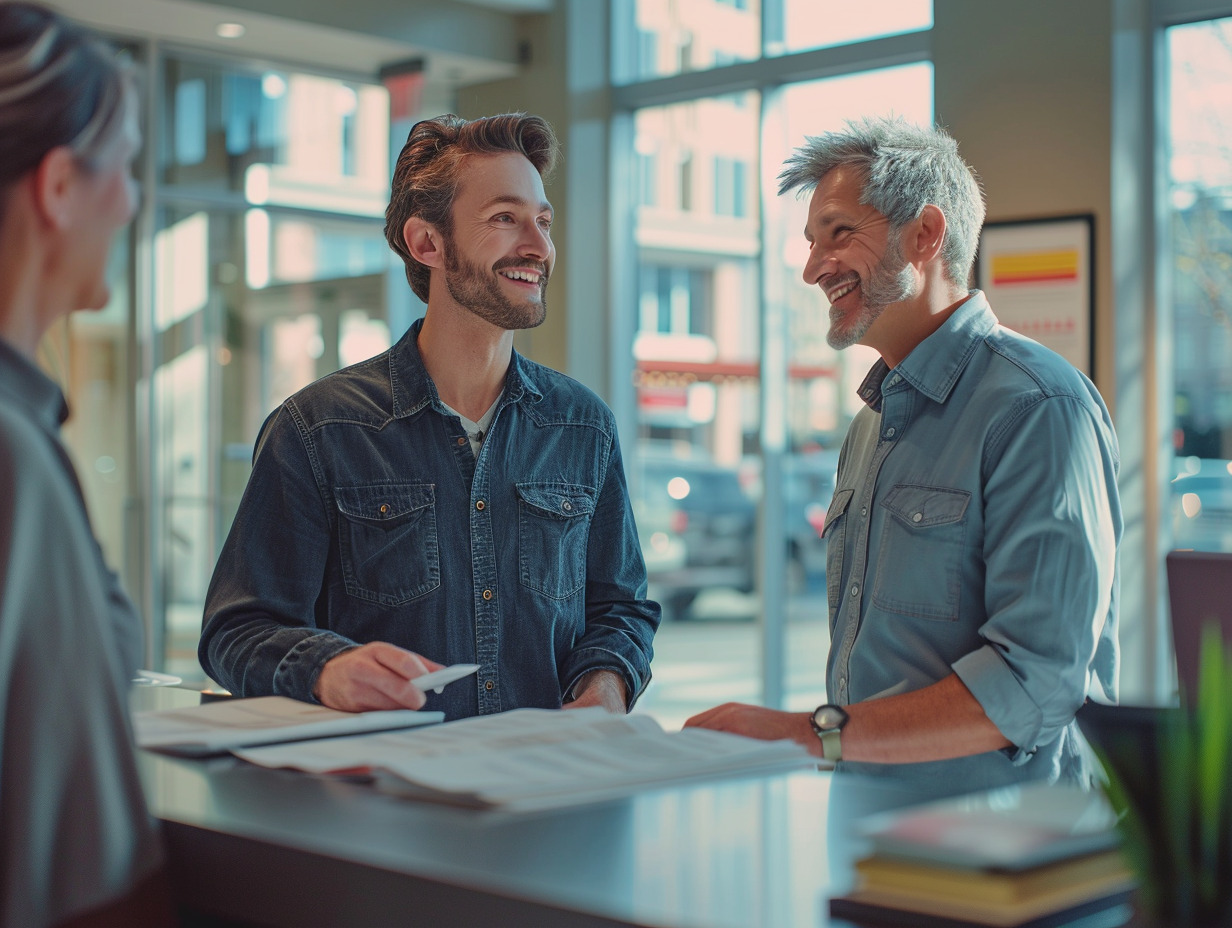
{"x":1038,"y":275}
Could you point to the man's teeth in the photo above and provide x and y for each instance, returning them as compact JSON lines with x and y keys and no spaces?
{"x":839,"y":292}
{"x":531,"y":277}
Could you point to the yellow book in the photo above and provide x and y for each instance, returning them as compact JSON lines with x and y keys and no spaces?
{"x":1077,"y":878}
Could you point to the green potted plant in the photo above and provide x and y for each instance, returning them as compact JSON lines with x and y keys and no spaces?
{"x":1168,"y":778}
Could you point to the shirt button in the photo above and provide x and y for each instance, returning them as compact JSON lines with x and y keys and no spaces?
{"x":855,"y":589}
{"x":567,"y":506}
{"x":889,"y":432}
{"x":917,"y":517}
{"x":384,"y":509}
{"x":489,"y":686}
{"x":487,"y":594}
{"x":461,"y":441}
{"x":481,"y":505}
{"x":863,"y":510}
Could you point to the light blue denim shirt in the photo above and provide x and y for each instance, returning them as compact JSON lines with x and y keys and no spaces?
{"x":974,"y":530}
{"x":368,"y":517}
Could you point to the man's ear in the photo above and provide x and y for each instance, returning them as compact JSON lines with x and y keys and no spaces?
{"x":926,"y":236}
{"x":53,"y":185}
{"x":424,"y":242}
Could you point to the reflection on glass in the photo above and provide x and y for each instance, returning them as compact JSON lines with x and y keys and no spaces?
{"x":677,"y":36}
{"x":1200,"y":172}
{"x":281,"y":138}
{"x":251,"y":306}
{"x":809,"y":24}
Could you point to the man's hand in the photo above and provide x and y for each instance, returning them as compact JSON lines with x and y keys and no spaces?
{"x":759,"y":722}
{"x":373,"y":676}
{"x":600,"y":688}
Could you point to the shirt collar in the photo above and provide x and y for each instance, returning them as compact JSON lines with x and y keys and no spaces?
{"x":413,"y":389}
{"x":22,"y":383}
{"x":934,"y":365}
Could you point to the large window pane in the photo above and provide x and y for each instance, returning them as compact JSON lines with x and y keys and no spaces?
{"x":279,"y":137}
{"x":1200,"y":174}
{"x":696,"y":351}
{"x":805,"y":24}
{"x":665,"y":37}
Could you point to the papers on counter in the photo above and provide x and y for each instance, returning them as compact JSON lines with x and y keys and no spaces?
{"x":218,"y":727}
{"x":536,"y":759}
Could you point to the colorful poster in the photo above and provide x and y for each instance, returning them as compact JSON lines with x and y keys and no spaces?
{"x":1038,"y":277}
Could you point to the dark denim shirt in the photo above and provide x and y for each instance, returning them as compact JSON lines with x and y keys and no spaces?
{"x":367,"y":517}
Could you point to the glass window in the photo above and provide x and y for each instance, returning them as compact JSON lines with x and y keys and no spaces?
{"x":798,"y":25}
{"x":281,"y":138}
{"x":678,"y":36}
{"x":696,"y":353}
{"x":1200,"y":199}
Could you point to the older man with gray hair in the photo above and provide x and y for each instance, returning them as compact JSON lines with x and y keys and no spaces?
{"x":972,"y":538}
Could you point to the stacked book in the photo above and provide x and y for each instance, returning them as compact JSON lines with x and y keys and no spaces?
{"x":1034,"y":856}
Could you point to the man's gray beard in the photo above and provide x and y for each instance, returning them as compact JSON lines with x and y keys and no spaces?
{"x":891,"y":281}
{"x":473,"y":288}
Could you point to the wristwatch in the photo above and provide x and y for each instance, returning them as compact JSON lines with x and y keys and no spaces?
{"x":828,"y":721}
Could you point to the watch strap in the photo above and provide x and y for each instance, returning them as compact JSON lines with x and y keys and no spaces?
{"x":831,"y":744}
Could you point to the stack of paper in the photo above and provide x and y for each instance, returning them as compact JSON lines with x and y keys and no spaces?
{"x":218,"y":727}
{"x":1035,"y":855}
{"x":532,"y":759}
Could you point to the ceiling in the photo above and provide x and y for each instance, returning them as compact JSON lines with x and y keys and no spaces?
{"x":460,"y":42}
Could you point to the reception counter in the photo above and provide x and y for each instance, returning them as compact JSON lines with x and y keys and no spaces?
{"x":273,"y":847}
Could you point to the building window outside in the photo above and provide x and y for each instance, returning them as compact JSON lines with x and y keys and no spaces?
{"x":1199,"y":172}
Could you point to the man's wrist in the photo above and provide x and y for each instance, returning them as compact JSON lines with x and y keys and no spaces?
{"x":593,"y":677}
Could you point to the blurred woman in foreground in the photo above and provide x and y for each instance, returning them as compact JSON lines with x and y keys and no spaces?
{"x":77,"y":844}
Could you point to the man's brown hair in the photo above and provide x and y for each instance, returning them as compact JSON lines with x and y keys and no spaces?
{"x":430,"y":166}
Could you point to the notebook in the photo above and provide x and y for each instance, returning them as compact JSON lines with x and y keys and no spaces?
{"x":1199,"y":593}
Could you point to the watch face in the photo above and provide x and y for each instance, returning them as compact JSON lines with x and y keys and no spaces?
{"x":829,"y":718}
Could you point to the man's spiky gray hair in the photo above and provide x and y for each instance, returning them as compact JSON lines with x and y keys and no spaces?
{"x":906,"y":167}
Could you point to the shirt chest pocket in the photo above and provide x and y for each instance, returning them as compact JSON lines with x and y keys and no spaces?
{"x":919,"y":570}
{"x":553,"y":528}
{"x":387,"y":540}
{"x":835,"y":534}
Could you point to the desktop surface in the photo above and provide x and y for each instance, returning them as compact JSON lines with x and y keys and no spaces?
{"x":284,"y":848}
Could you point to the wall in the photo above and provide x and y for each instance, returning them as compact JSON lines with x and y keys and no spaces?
{"x":1026,"y":90}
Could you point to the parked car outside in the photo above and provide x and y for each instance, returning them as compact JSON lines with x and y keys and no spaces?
{"x":697,"y":526}
{"x":808,"y":487}
{"x":1202,"y":504}
{"x":697,"y":521}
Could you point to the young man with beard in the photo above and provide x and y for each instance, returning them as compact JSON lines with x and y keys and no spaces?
{"x":972,"y":537}
{"x":447,"y":501}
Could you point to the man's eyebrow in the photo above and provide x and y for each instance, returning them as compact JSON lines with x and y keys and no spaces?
{"x":824,"y":221}
{"x":514,"y":200}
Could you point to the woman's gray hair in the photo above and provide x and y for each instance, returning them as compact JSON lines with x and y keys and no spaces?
{"x":59,"y":85}
{"x":906,"y":167}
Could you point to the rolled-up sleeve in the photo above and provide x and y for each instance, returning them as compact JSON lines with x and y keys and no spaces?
{"x":1052,"y":522}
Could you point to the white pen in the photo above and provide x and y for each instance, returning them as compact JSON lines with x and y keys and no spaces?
{"x":437,"y":679}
